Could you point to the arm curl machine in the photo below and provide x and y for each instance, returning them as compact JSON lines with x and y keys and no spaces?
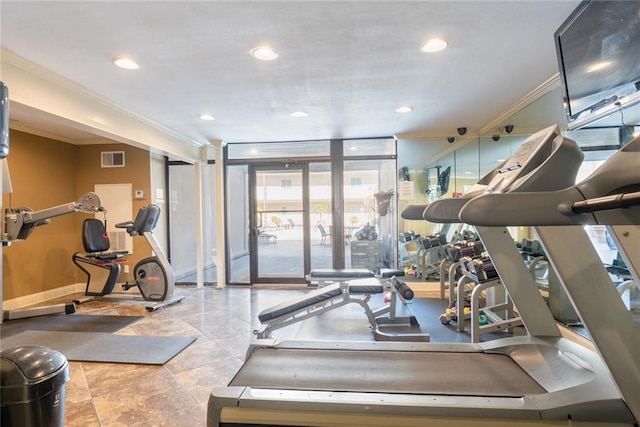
{"x":18,"y":225}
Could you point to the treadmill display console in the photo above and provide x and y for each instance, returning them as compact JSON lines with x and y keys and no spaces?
{"x":527,"y":157}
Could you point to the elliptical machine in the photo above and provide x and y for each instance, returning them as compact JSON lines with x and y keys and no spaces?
{"x":153,"y":276}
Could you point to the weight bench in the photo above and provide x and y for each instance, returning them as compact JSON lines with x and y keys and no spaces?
{"x":324,"y":276}
{"x":336,"y":295}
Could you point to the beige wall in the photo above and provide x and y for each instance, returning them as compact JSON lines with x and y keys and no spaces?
{"x":47,"y":173}
{"x":137,"y":172}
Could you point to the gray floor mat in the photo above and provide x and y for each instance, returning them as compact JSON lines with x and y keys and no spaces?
{"x":104,"y":347}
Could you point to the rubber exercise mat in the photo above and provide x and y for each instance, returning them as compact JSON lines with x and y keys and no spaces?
{"x":68,"y":322}
{"x":104,"y":347}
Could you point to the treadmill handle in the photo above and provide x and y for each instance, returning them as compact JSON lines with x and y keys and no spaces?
{"x":618,"y":201}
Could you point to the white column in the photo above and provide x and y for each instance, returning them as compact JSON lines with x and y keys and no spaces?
{"x":221,"y":258}
{"x":199,"y":228}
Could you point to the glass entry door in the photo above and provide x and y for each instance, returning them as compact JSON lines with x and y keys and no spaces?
{"x":279,"y":237}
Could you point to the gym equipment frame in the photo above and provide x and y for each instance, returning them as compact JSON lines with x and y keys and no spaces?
{"x":19,"y":223}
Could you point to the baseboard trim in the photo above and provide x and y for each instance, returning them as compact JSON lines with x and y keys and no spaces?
{"x":40,"y":297}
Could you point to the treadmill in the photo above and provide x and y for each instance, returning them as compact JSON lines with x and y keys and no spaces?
{"x":541,"y":378}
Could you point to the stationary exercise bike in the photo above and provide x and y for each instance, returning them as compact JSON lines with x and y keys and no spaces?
{"x":153,"y":276}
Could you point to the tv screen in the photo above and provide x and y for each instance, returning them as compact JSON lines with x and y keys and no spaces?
{"x":443,"y":180}
{"x":598,"y":49}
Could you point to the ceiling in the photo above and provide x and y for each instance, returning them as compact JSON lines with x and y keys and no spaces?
{"x":348,"y":64}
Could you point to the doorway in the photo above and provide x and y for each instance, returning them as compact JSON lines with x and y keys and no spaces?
{"x":289,"y":221}
{"x":278,"y":205}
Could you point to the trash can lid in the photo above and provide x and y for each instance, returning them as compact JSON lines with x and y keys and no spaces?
{"x":30,"y":372}
{"x":19,"y":365}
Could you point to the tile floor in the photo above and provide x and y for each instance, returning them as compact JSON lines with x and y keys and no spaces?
{"x":176,"y":394}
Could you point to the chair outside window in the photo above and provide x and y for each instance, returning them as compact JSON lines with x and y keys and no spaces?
{"x":324,"y":234}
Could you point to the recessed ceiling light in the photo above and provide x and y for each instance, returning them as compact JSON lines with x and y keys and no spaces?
{"x":434,"y":45}
{"x":404,"y":109}
{"x":264,"y":53}
{"x":126,"y":63}
{"x":299,"y":114}
{"x":207,"y":117}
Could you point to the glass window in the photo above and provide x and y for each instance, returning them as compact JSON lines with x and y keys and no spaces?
{"x":182,"y":205}
{"x":370,"y":214}
{"x":237,"y":217}
{"x":320,"y":196}
{"x":369,"y":147}
{"x":278,"y":150}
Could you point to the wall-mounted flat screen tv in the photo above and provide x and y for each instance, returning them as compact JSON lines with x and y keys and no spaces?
{"x":598,"y":49}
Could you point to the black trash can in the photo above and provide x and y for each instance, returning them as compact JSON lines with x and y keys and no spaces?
{"x":32,"y":386}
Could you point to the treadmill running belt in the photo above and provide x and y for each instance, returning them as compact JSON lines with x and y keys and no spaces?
{"x":462,"y":374}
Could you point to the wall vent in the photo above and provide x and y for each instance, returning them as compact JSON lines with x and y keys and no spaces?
{"x":118,"y":241}
{"x":112,"y":159}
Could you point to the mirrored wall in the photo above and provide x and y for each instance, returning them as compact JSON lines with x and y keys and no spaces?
{"x":467,"y":160}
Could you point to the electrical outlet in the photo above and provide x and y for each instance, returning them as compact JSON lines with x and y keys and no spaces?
{"x":126,"y":268}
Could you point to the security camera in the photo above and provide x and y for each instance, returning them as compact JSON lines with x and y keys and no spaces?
{"x":451,"y":139}
{"x":508,"y":128}
{"x":462,"y":131}
{"x":496,"y":138}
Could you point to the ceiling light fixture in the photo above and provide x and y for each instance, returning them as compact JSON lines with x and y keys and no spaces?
{"x":207,"y":117}
{"x":434,"y":45}
{"x":264,"y":53}
{"x":126,"y":63}
{"x":404,"y":109}
{"x":299,"y":114}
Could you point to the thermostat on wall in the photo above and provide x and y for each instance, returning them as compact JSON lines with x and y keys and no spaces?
{"x":138,"y":194}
